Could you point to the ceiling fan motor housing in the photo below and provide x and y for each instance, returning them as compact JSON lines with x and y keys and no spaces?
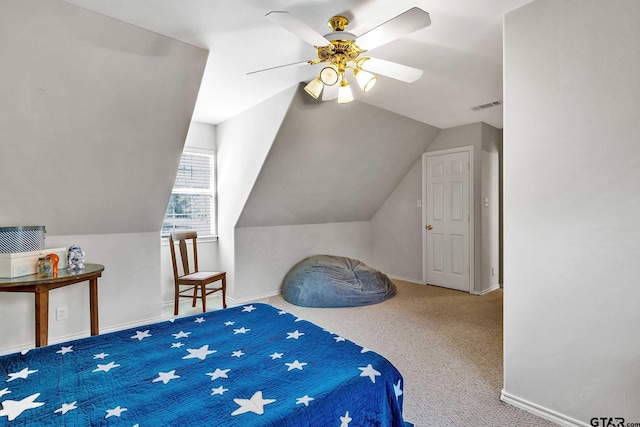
{"x":346,"y":48}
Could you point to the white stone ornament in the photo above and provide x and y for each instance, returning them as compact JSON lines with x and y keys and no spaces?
{"x":75,"y":258}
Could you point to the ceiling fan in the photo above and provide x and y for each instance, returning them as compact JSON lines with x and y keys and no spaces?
{"x":341,"y":50}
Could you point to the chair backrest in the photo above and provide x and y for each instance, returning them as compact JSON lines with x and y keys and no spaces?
{"x":181,"y":238}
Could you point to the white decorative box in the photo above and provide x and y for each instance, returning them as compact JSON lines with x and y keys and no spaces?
{"x":24,"y":263}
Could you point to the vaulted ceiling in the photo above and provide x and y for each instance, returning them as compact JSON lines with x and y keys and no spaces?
{"x":460,"y":52}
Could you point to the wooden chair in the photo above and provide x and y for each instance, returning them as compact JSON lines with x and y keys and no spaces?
{"x":194,"y":279}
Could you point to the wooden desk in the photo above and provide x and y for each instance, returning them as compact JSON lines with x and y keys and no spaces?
{"x":40,"y":287}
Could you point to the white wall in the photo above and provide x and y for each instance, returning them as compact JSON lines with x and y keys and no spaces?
{"x":396,"y":229}
{"x":571,"y":207}
{"x":242,"y":145}
{"x":490,"y":209}
{"x":93,"y":117}
{"x":319,"y":186}
{"x":266,"y":254}
{"x":128,"y":291}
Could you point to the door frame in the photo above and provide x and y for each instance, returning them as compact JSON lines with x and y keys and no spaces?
{"x":468,"y":149}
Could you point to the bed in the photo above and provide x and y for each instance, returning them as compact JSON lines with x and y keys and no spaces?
{"x":251,"y":365}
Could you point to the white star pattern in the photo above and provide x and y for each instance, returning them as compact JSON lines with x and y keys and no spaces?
{"x":295,"y":365}
{"x":181,"y":335}
{"x":22,"y":374}
{"x":140,"y":335}
{"x":13,"y":408}
{"x":165,"y":377}
{"x":397,"y":390}
{"x":298,"y":319}
{"x":369,"y":372}
{"x":66,"y":407}
{"x":345,"y":420}
{"x":295,"y":335}
{"x":105,"y":368}
{"x":219,"y":373}
{"x":200,"y":353}
{"x":218,"y":390}
{"x":64,"y":350}
{"x":304,"y":400}
{"x":115,"y":412}
{"x":171,"y":320}
{"x":23,"y":352}
{"x":255,"y":404}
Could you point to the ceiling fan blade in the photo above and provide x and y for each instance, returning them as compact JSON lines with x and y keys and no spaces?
{"x":278,"y":66}
{"x":403,"y":24}
{"x":297,"y":27}
{"x":392,"y":69}
{"x":330,"y":92}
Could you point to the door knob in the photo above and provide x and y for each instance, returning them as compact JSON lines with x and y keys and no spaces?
{"x":429,"y":227}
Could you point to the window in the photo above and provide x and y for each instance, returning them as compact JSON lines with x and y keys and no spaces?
{"x":193,"y":200}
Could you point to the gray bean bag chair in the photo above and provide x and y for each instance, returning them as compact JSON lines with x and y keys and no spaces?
{"x":333,"y":281}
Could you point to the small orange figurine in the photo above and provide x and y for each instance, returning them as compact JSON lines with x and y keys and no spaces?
{"x":54,"y":260}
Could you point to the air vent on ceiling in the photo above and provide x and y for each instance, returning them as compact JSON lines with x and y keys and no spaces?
{"x":487,"y":105}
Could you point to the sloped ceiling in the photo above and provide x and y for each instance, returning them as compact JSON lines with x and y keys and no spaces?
{"x":460,"y":52}
{"x":333,"y":163}
{"x":93,"y":117}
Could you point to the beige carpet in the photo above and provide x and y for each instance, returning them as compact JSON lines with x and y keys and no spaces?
{"x":446,"y":344}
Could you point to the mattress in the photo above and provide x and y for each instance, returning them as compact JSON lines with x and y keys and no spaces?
{"x":251,"y":365}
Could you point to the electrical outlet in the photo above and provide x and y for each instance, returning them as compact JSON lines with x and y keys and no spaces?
{"x":493,"y":271}
{"x":61,"y":313}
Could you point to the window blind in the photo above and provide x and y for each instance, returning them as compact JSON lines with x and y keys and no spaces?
{"x":192,"y":203}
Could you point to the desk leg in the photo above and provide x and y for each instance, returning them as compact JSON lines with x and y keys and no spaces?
{"x":93,"y":305}
{"x":42,"y":317}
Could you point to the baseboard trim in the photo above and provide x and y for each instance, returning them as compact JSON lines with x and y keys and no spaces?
{"x":486,"y":291}
{"x":405,"y":279}
{"x":230,"y":301}
{"x":234,"y":301}
{"x":540,"y":411}
{"x":82,"y":334}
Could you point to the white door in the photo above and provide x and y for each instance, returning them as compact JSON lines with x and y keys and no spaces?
{"x":448,"y":220}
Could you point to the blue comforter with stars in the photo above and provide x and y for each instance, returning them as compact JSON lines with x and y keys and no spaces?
{"x":252,"y":365}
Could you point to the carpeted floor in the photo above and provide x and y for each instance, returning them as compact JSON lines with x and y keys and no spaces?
{"x":447,"y":345}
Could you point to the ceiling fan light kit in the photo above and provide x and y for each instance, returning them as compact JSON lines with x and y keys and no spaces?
{"x":314,"y":87}
{"x":365,"y":79}
{"x":340,"y":52}
{"x":344,"y":92}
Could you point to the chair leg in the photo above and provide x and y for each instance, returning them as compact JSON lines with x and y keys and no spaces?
{"x":175,"y":303}
{"x":195,"y":295}
{"x":224,"y":292}
{"x":204,"y":298}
